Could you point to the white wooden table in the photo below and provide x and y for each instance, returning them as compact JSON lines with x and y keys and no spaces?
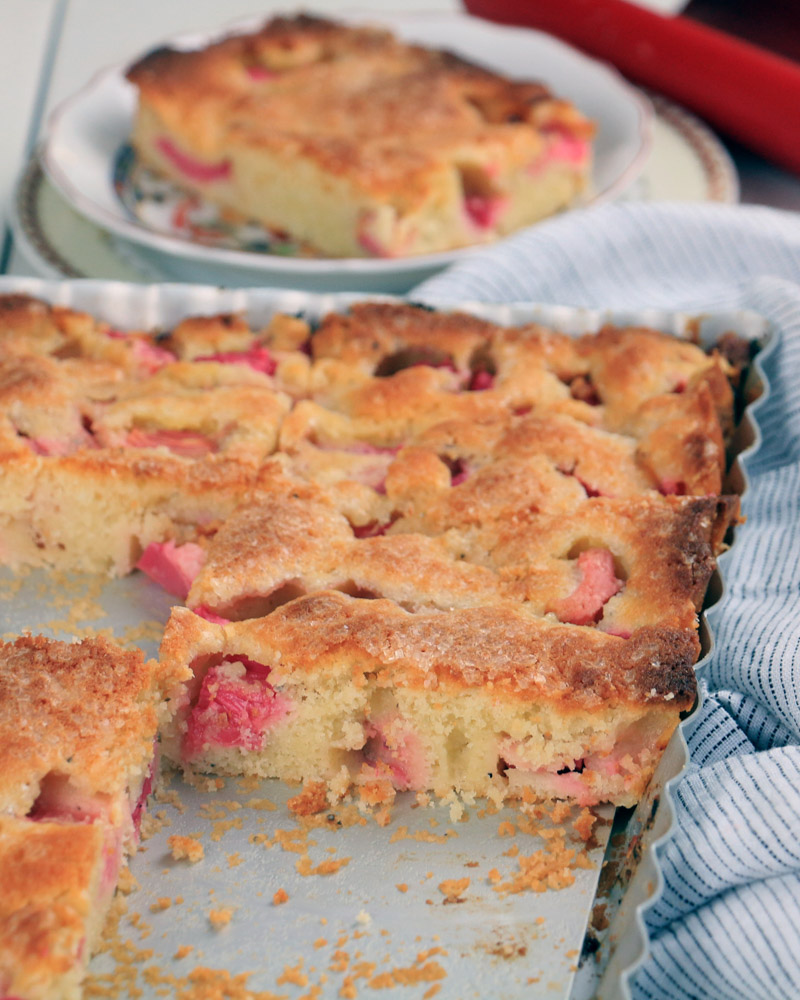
{"x":50,"y":48}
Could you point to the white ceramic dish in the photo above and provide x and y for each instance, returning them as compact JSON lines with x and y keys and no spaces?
{"x":87,"y":131}
{"x":490,"y":947}
{"x":687,"y":163}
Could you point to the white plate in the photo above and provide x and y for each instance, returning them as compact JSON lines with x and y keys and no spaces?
{"x":86,"y":132}
{"x":687,"y":163}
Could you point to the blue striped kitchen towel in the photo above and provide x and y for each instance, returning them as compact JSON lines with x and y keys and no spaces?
{"x":728,"y":922}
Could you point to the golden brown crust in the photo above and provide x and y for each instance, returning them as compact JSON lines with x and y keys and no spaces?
{"x":496,"y":648}
{"x":325,"y":75}
{"x":86,"y":710}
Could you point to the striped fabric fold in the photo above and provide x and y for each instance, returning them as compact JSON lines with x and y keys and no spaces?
{"x":728,"y":922}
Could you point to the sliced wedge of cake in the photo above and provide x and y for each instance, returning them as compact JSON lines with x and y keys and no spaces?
{"x":355,"y":143}
{"x":77,"y":763}
{"x":483,"y":700}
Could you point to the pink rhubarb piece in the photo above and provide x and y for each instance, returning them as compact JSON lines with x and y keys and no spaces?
{"x":193,"y":168}
{"x":393,"y":744}
{"x":257,"y":358}
{"x":597,"y":585}
{"x":234,"y":710}
{"x":172,"y":566}
{"x":187,"y":444}
{"x":484,"y":211}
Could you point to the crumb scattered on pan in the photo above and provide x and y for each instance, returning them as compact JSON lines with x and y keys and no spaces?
{"x":294,"y":975}
{"x":261,"y":804}
{"x":313,"y":799}
{"x":126,"y":883}
{"x":222,"y":826}
{"x":170,"y":797}
{"x":402,"y":887}
{"x":305,"y":866}
{"x":185,"y":848}
{"x":423,"y":836}
{"x":153,"y":823}
{"x":221,"y":917}
{"x":453,"y":889}
{"x":281,"y":896}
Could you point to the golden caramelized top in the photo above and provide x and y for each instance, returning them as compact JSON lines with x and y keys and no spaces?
{"x":358,"y":101}
{"x":495,"y":648}
{"x":83,"y":711}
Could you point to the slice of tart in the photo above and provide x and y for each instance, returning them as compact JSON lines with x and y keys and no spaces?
{"x":355,"y":143}
{"x":77,"y":763}
{"x":483,"y":700}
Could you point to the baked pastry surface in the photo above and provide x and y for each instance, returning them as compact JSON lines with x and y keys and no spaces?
{"x":356,"y":143}
{"x":463,"y":555}
{"x":78,"y":727}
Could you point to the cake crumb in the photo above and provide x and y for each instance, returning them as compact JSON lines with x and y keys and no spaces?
{"x":377,"y":792}
{"x":313,"y":799}
{"x":584,"y":824}
{"x":305,"y":866}
{"x":162,"y":903}
{"x":126,"y":883}
{"x":383,"y":816}
{"x":222,"y":826}
{"x":183,"y":951}
{"x":293,"y":974}
{"x":220,"y":918}
{"x":170,"y":797}
{"x":185,"y":848}
{"x":281,"y":896}
{"x":402,"y":887}
{"x":363,"y":917}
{"x":261,"y":804}
{"x":320,"y":942}
{"x":348,"y":989}
{"x":560,"y":812}
{"x":235,"y":859}
{"x":506,"y":829}
{"x":453,"y":889}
